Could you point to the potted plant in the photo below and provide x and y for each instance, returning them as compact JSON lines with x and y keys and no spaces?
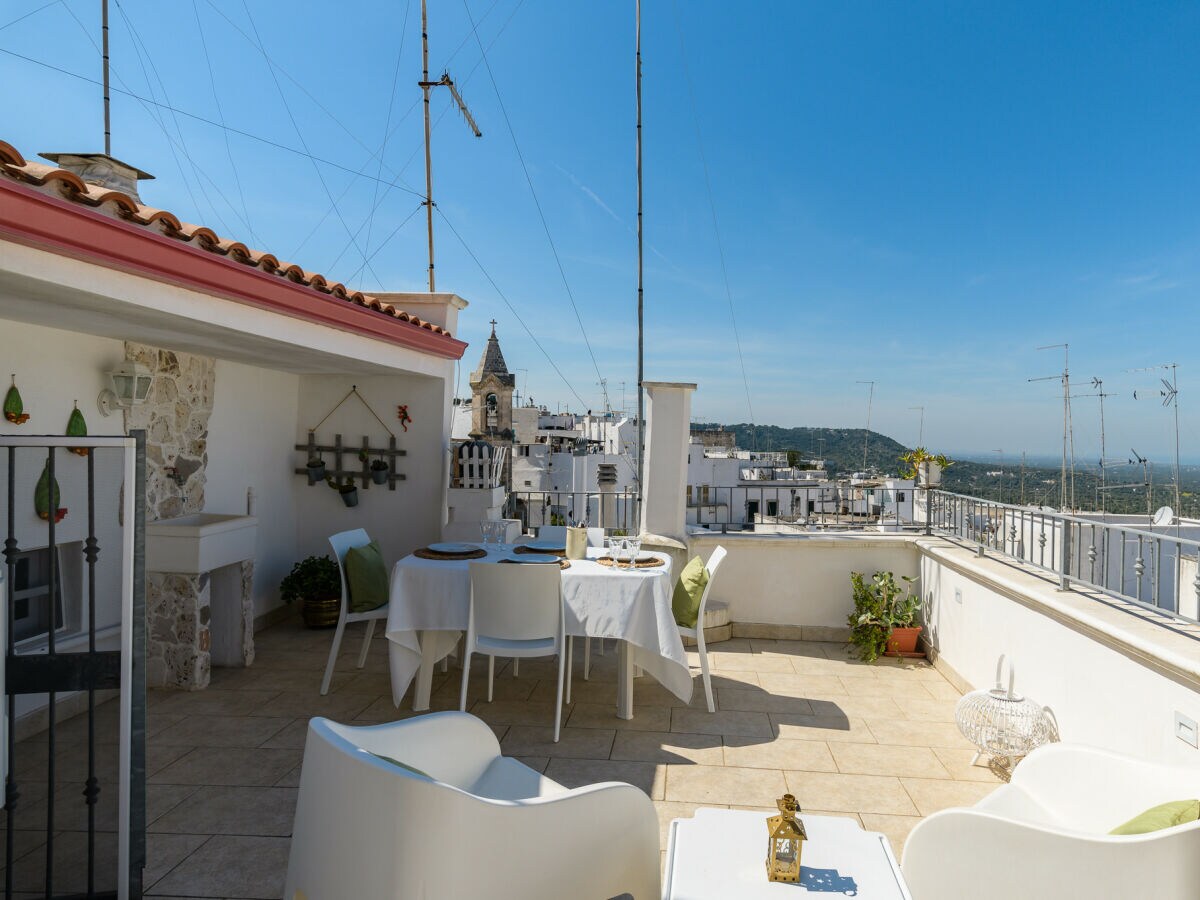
{"x":925,"y":467}
{"x":316,"y":469}
{"x":379,"y":472}
{"x":316,"y":583}
{"x":347,"y":489}
{"x":885,"y":616}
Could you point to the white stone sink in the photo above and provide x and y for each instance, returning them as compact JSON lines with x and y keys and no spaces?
{"x":199,"y":543}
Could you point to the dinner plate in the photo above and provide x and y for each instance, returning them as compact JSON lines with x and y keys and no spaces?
{"x":533,"y":558}
{"x":453,"y":547}
{"x":546,"y":545}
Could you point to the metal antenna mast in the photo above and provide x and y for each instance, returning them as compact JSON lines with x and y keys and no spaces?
{"x":1001,"y":452}
{"x":1169,"y":392}
{"x":426,"y":86}
{"x":104,"y":40}
{"x":1066,"y":498}
{"x":867,"y":436}
{"x":641,"y":413}
{"x":921,"y":430}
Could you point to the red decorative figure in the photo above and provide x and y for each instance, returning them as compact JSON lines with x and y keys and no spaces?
{"x":405,"y":418}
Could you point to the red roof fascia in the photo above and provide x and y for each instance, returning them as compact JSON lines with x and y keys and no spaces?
{"x":38,"y":220}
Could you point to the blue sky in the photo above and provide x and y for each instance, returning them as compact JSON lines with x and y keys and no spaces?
{"x":915,"y":194}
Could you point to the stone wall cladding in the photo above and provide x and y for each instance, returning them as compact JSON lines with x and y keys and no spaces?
{"x":177,"y":619}
{"x":175,"y":416}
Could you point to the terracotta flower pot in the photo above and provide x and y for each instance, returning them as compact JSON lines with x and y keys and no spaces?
{"x":903,"y":642}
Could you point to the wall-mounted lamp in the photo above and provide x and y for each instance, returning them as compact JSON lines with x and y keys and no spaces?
{"x":130,"y":386}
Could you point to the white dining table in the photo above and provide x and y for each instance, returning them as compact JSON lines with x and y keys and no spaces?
{"x":430,"y":601}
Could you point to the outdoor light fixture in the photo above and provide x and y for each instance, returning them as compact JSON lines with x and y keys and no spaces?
{"x":130,"y":386}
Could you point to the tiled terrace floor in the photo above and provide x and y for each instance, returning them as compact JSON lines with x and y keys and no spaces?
{"x":875,"y":743}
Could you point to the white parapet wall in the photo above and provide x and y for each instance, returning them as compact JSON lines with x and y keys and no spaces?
{"x":800,"y":579}
{"x":1113,"y":675}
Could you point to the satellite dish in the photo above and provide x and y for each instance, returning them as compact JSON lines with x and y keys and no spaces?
{"x":1163,"y":516}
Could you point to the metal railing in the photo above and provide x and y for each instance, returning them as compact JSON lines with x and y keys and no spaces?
{"x":1153,"y":566}
{"x":786,"y":509}
{"x":614,"y":511}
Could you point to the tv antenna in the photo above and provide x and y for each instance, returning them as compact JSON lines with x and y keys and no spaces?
{"x":426,"y":86}
{"x":867,"y":436}
{"x":603,"y":383}
{"x":1098,"y":384}
{"x":921,"y":428}
{"x":1066,"y":496}
{"x":1169,"y":393}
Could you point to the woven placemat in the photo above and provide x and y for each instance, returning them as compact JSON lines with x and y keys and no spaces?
{"x":426,"y":553}
{"x":522,"y":548}
{"x":651,"y":563}
{"x":562,"y":563}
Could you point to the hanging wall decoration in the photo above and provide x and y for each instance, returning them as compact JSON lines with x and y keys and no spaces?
{"x":46,"y":497}
{"x":377,"y":465}
{"x":77,"y":427}
{"x":14,"y":406}
{"x":403,"y":416}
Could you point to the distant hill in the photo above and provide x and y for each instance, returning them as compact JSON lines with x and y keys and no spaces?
{"x":842,"y":448}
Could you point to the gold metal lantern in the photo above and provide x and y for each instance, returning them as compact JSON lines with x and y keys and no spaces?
{"x":785,"y":840}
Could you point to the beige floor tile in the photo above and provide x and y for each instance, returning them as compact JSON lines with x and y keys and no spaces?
{"x":537,"y":763}
{"x":516,"y":712}
{"x":908,"y":670}
{"x":793,"y":684}
{"x":596,"y":715}
{"x":942,"y":691}
{"x":291,"y":779}
{"x":538,"y":740}
{"x":233,"y":810}
{"x":165,"y":851}
{"x":921,"y":710}
{"x":859,"y":707}
{"x":341,"y":707}
{"x":759,"y":700}
{"x":822,"y":728}
{"x":723,"y":785}
{"x":851,"y":793}
{"x":882,"y":687}
{"x":229,"y":766}
{"x":930,"y":795}
{"x":573,"y":773}
{"x":753,"y":662}
{"x":916,"y":734}
{"x":503,"y":688}
{"x":668,"y":747}
{"x":895,"y":828}
{"x":230,"y":866}
{"x":881,"y":759}
{"x":290,"y":737}
{"x":750,"y":753}
{"x":823,"y":665}
{"x":735,"y":679}
{"x":701,"y":721}
{"x":958,"y":763}
{"x":210,"y":702}
{"x":222,"y":731}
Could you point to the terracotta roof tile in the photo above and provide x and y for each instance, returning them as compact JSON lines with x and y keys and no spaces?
{"x":69,"y":186}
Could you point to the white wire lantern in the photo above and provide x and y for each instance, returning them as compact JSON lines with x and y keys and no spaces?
{"x":1001,"y":723}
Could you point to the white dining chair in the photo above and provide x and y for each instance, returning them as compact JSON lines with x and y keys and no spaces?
{"x":697,"y":633}
{"x":342,"y":543}
{"x":516,"y":611}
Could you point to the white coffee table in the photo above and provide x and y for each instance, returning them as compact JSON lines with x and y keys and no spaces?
{"x":721,"y":853}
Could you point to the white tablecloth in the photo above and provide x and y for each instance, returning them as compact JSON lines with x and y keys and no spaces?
{"x":434,"y":595}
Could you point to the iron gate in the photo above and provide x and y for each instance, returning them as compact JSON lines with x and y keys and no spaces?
{"x":74,"y":634}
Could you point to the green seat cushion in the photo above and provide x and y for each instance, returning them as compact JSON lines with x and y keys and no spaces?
{"x":685,"y":602}
{"x":367,"y":578}
{"x":1165,"y":815}
{"x":405,"y":766}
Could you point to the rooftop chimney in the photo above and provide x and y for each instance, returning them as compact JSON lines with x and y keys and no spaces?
{"x":101,"y":169}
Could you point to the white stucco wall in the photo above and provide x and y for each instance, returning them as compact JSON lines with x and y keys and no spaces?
{"x":1100,"y":695}
{"x":250,"y":439}
{"x":399,"y":520}
{"x":799,"y":579}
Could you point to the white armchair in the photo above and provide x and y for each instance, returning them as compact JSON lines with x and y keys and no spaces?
{"x":481,"y":824}
{"x":1045,"y":834}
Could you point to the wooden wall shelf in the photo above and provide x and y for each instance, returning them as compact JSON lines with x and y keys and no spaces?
{"x":362,"y":470}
